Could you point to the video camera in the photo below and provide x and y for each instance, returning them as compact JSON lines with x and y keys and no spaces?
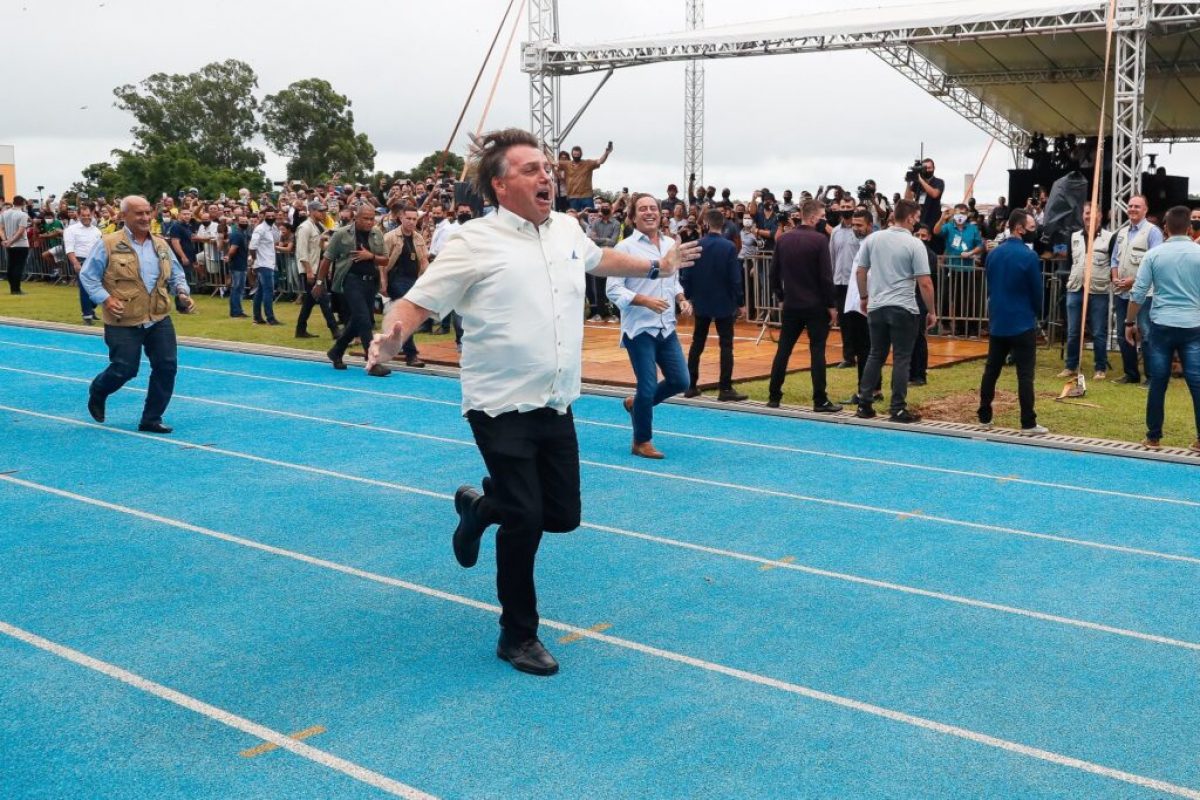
{"x":915,"y":171}
{"x":866,"y":193}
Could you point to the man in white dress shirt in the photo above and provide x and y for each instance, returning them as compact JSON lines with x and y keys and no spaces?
{"x":648,"y":325}
{"x":517,"y":279}
{"x":78,"y":240}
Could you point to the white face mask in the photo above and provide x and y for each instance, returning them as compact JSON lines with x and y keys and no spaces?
{"x":747,"y":222}
{"x":960,"y":218}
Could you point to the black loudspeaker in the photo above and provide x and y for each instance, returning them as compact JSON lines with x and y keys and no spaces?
{"x":1164,"y":191}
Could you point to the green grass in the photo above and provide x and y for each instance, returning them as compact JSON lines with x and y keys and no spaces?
{"x":1109,"y":411}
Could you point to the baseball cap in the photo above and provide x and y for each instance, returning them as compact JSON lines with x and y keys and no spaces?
{"x":316,"y":205}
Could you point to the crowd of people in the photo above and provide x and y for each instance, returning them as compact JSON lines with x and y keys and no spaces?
{"x":798,"y":260}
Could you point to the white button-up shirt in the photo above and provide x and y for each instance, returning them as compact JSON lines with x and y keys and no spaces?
{"x":440,"y":234}
{"x":80,"y":239}
{"x":519,"y":288}
{"x":639,"y":319}
{"x":262,"y":244}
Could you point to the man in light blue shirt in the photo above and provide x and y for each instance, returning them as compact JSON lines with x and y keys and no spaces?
{"x":132,"y":285}
{"x":648,"y":324}
{"x":1172,"y":271}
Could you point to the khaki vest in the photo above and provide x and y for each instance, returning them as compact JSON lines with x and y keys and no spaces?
{"x":123,"y":280}
{"x":1130,"y":257}
{"x":1101,"y":273}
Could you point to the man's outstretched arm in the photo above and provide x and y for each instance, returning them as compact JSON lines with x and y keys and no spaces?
{"x":402,"y":320}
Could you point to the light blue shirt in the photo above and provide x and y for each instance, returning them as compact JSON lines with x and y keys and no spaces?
{"x":636,"y":320}
{"x":1173,"y":271}
{"x":92,"y":274}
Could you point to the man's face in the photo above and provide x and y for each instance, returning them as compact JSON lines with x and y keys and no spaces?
{"x":408,"y":222}
{"x":787,"y":196}
{"x":85,"y":217}
{"x":243,"y":221}
{"x":463,"y":209}
{"x":269,"y":218}
{"x":646,"y":215}
{"x":185,"y":216}
{"x":861,"y":227}
{"x":605,"y":211}
{"x":1196,"y":222}
{"x":137,"y":215}
{"x":923,"y":235}
{"x":205,"y":218}
{"x":1087,"y":217}
{"x":576,"y":154}
{"x":438,"y":213}
{"x":1137,"y":209}
{"x":739,"y":209}
{"x":527,"y":189}
{"x":364,"y":219}
{"x":672,"y":192}
{"x":929,"y":167}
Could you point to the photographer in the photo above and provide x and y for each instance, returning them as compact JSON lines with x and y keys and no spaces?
{"x":926,"y":190}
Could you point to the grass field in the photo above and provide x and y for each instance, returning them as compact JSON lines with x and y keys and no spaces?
{"x":1109,"y":411}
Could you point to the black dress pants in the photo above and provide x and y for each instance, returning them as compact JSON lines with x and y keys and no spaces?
{"x":1023,"y":348}
{"x":700,"y":339}
{"x":307,"y":301}
{"x":533,"y":460}
{"x":16,"y":257}
{"x":358,"y":295}
{"x":816,"y":321}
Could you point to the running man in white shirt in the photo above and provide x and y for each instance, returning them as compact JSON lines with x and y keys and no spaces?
{"x":517,"y":279}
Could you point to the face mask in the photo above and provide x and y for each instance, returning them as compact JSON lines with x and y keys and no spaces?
{"x":960,"y":219}
{"x":1196,"y":224}
{"x":463,"y":218}
{"x":822,"y":225}
{"x":747,"y":223}
{"x":604,"y":212}
{"x":245,"y":226}
{"x":1030,"y":237}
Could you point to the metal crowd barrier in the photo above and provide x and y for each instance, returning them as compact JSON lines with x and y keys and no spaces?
{"x":761,"y":306}
{"x":214,"y":275}
{"x":287,"y":276}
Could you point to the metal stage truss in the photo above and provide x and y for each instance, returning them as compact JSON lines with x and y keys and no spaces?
{"x":1010,"y":67}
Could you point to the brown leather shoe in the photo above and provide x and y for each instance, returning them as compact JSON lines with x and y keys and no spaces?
{"x":646,"y":450}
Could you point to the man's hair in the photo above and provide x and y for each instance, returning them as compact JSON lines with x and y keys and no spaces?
{"x":1177,"y":220}
{"x":862,"y":213}
{"x":810,"y":208}
{"x":1018,"y":217}
{"x":491,"y":160}
{"x":713,"y":219}
{"x":125,"y":201}
{"x":18,"y":200}
{"x":638,"y":197}
{"x":963,"y":206}
{"x":905,"y":210}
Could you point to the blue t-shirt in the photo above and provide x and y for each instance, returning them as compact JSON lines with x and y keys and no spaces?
{"x":183,"y":232}
{"x":958,"y":242}
{"x":238,"y":239}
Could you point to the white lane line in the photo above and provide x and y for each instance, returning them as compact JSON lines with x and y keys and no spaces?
{"x":983,"y":526}
{"x":668,"y":655}
{"x":797,"y":567}
{"x":322,"y":757}
{"x":1066,"y":487}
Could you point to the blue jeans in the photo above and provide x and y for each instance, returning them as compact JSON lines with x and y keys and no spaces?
{"x":1162,"y":344}
{"x":264,"y":298}
{"x":582,"y":203}
{"x":85,"y":304}
{"x":237,"y":288}
{"x":1129,"y":355}
{"x":1097,"y":320}
{"x":125,"y":345}
{"x":647,"y":354}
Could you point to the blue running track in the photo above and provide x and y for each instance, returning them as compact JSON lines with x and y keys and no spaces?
{"x":781,"y":609}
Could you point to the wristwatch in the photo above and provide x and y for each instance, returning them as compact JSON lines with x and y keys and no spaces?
{"x":320,"y":283}
{"x":653,"y":273}
{"x":1129,"y":324}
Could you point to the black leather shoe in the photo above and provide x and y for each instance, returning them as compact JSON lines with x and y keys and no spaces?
{"x":96,"y":407}
{"x":731,"y":396}
{"x":843,"y":365}
{"x":904,"y":415}
{"x":529,"y":656}
{"x":274,"y":322}
{"x":827,"y":408}
{"x":772,"y":404}
{"x":337,"y":360}
{"x":470,"y":526}
{"x":305,"y":335}
{"x":865,"y":412}
{"x":154,"y":427}
{"x":693,"y":392}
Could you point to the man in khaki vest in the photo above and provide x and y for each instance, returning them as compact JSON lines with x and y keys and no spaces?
{"x":131,"y":276}
{"x":1130,"y":243}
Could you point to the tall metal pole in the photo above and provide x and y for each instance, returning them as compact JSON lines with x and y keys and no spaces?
{"x":693,"y":103}
{"x":544,"y":102}
{"x":1129,"y":90}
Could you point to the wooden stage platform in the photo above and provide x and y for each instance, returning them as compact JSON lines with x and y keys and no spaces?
{"x":605,"y":363}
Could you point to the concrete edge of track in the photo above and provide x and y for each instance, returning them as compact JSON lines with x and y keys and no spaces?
{"x":958,"y":430}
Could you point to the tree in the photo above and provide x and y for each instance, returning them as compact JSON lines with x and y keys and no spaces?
{"x":453,"y":166}
{"x":211,"y":112}
{"x":172,"y":170}
{"x":313,"y":126}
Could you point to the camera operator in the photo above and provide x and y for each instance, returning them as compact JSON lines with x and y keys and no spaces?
{"x":926,"y":190}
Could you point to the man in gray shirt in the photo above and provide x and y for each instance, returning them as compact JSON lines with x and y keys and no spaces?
{"x":844,"y":241}
{"x":604,"y":233}
{"x":891,"y":265}
{"x":14,"y":227}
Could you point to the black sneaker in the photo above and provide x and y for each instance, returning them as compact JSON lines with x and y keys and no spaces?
{"x":731,"y":396}
{"x":865,"y":412}
{"x":904,"y":415}
{"x":827,"y":408}
{"x":692,"y":392}
{"x":773,"y":403}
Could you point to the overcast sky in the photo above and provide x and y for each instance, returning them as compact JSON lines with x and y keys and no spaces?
{"x":780,"y":121}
